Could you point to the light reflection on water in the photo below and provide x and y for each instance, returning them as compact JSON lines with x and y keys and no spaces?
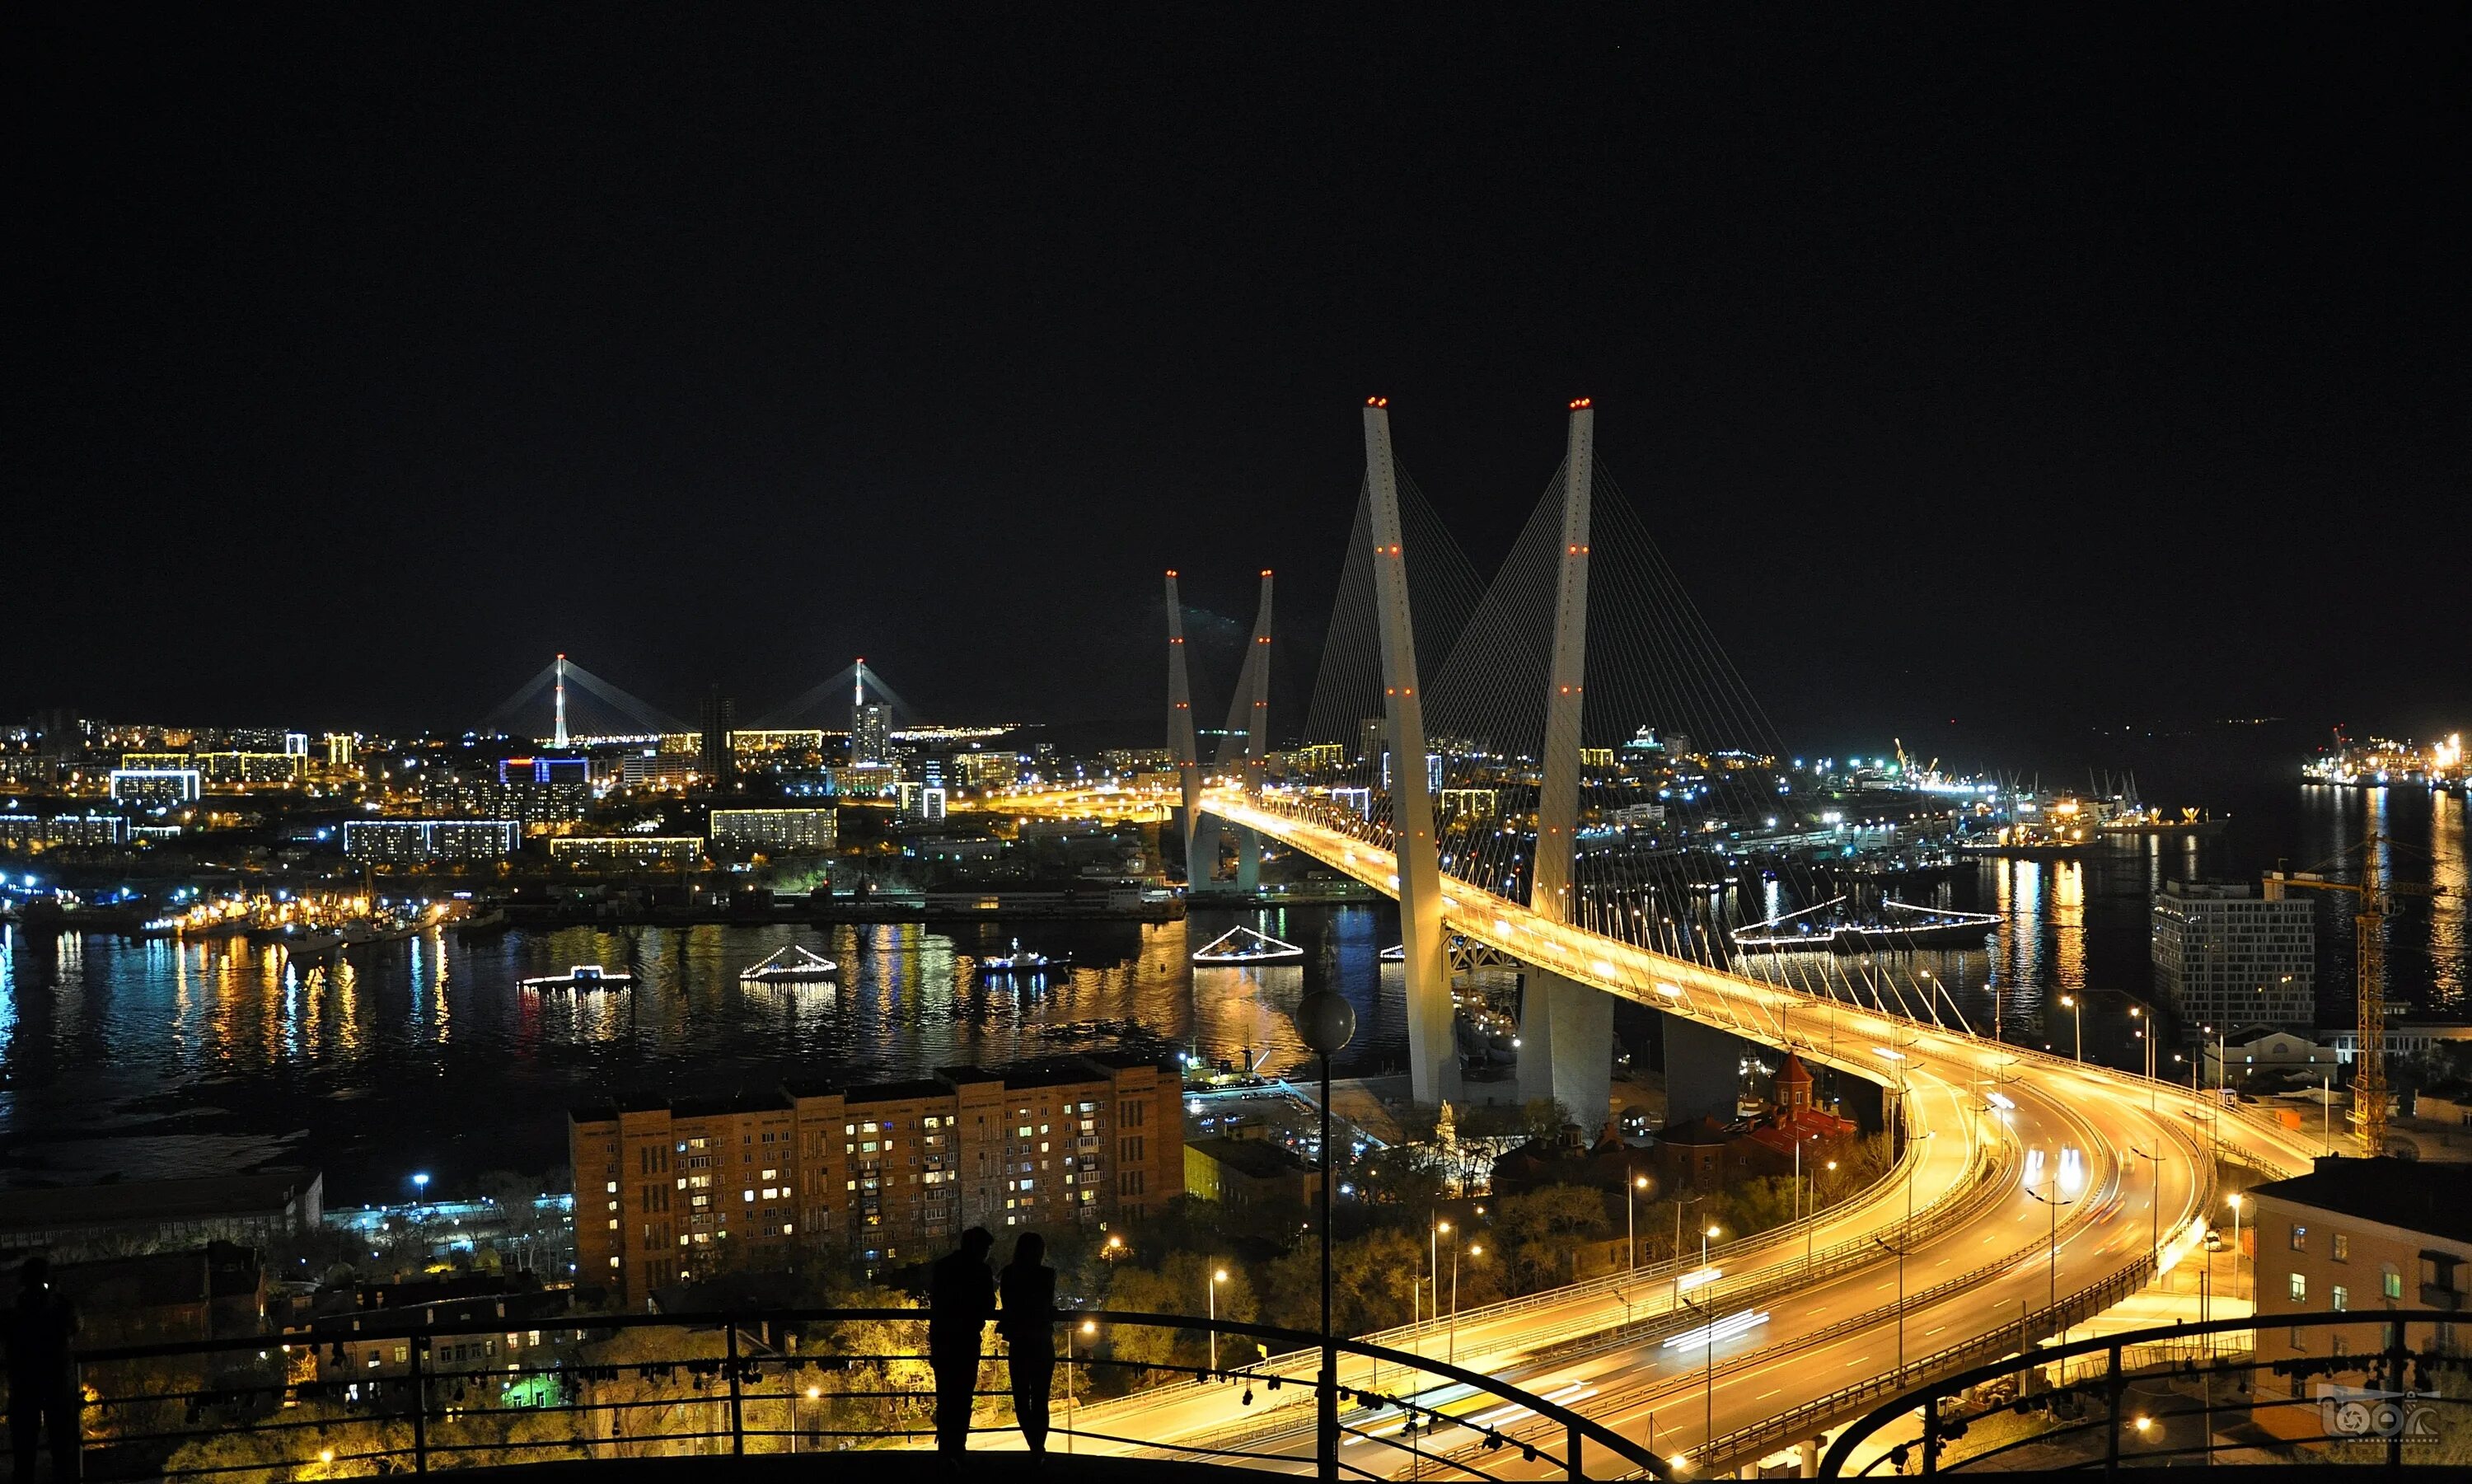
{"x":157,"y":1058}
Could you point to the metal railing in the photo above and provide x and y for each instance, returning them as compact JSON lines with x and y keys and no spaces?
{"x":2134,"y":1409}
{"x":420,"y":1399}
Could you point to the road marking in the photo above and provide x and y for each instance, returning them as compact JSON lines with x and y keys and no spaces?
{"x":1764,"y":1396}
{"x":1934,"y":1330}
{"x":1856,"y":1361}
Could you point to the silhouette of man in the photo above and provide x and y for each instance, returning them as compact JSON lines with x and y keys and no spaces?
{"x":1027,"y":1322}
{"x":961,"y":1299}
{"x":42,"y":1382}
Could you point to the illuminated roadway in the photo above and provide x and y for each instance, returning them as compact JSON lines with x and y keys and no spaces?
{"x":2071,"y":1128}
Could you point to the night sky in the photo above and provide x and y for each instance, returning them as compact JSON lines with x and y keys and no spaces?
{"x":2059,"y":374}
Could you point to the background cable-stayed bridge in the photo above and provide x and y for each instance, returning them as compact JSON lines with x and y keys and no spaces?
{"x":595,"y":707}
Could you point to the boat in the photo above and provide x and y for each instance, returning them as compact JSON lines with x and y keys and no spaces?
{"x":581,"y":976}
{"x":1396,"y":953}
{"x":1919,"y":927}
{"x":1245,"y":946}
{"x":788,"y":965}
{"x":309,"y":942}
{"x":1020,"y":960}
{"x":493,"y":921}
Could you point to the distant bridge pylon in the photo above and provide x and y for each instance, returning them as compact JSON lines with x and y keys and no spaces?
{"x":553,"y":680}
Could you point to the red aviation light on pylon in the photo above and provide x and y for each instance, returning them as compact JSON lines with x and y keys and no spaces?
{"x":1377,"y":402}
{"x":1171,"y":571}
{"x":1265,"y":571}
{"x":1584,"y":403}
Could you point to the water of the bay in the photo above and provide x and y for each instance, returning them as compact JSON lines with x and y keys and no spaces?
{"x":155,"y":1059}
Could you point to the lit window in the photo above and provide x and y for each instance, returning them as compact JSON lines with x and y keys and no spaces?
{"x":2299,"y":1288}
{"x":2390,"y":1281}
{"x":613,"y":1262}
{"x":613,"y":1188}
{"x":2343,"y":1243}
{"x":2342,"y":1298}
{"x":2299,"y":1238}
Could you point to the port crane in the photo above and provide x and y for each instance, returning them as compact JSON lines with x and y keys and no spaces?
{"x":2376,"y":902}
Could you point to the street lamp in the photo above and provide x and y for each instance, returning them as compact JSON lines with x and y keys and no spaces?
{"x":2237,"y":1201}
{"x":1218,"y":1276}
{"x":1326,"y":1022}
{"x":1434,"y":1261}
{"x":1089,"y":1329}
{"x":2077,"y":1014}
{"x":1475,"y":1250}
{"x":1678,"y":1243}
{"x":2054,"y":1202}
{"x":1631,"y":1220}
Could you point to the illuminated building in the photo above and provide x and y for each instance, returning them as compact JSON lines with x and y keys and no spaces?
{"x":784,"y":829}
{"x":1320,"y":757}
{"x":295,"y":744}
{"x":546,"y":770}
{"x":537,"y":806}
{"x":2223,"y":955}
{"x":650,"y":769}
{"x":1433,"y":771}
{"x":871,"y":733}
{"x":922,"y":802}
{"x":1475,"y":804}
{"x":720,"y":715}
{"x":249,"y":770}
{"x":341,"y":746}
{"x":891,"y":1172}
{"x":154,"y":788}
{"x":30,"y":832}
{"x":1371,"y":744}
{"x":621,"y":852}
{"x":988,"y":769}
{"x":866,"y":781}
{"x":423,"y":842}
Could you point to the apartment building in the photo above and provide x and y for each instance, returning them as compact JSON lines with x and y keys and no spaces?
{"x":889,"y":1173}
{"x":2357,"y":1233}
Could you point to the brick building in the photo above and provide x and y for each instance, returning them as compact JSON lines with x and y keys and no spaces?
{"x":889,"y":1173}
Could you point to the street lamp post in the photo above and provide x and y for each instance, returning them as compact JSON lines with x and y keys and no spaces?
{"x":1678,"y":1243}
{"x":1326,"y":1022}
{"x":1631,"y":1188}
{"x":2154,"y":1206}
{"x":2077,"y":1015}
{"x":1476,"y":1251}
{"x":2237,"y":1202}
{"x":1218,"y":1276}
{"x":2054,"y":1202}
{"x":1072,"y":1403}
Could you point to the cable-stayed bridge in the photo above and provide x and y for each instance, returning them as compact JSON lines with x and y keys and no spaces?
{"x":2059,"y":1186}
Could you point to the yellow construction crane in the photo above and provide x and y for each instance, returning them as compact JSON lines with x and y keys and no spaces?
{"x":2376,"y":902}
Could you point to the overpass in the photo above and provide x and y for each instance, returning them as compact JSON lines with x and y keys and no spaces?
{"x":2056,"y":1188}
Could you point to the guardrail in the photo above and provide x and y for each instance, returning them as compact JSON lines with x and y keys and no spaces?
{"x":2395,"y":1417}
{"x":418,"y":1399}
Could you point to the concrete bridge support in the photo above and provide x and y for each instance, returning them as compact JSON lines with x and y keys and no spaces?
{"x":1566,"y":1029}
{"x":1703,"y":1071}
{"x":1431,"y":1055}
{"x":1566,"y":1047}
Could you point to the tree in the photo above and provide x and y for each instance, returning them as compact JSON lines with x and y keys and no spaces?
{"x":1536,"y":1229}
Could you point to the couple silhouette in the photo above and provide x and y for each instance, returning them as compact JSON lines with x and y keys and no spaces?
{"x":961,"y":1297}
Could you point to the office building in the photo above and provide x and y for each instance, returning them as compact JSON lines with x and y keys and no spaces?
{"x":154,"y":788}
{"x":720,"y":716}
{"x":1372,"y":739}
{"x":921,"y":803}
{"x":429,"y":842}
{"x":2224,"y":955}
{"x":988,"y":769}
{"x":248,"y":769}
{"x":547,"y":769}
{"x":889,"y":1173}
{"x":650,"y":769}
{"x":773,"y":830}
{"x":871,"y":733}
{"x":2354,"y":1233}
{"x":340,"y":748}
{"x":625,"y":853}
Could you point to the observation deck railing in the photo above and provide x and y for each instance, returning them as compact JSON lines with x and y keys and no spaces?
{"x":418,"y":1399}
{"x":2379,"y":1391}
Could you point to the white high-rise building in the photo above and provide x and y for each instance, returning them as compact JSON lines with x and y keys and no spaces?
{"x":2225,"y":956}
